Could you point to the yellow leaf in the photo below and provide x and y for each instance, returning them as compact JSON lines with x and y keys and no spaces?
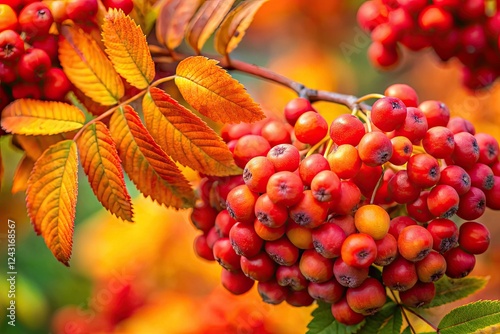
{"x":88,"y":68}
{"x":34,"y":146}
{"x":101,"y":164}
{"x":35,"y":117}
{"x":128,"y":49}
{"x":173,"y":18}
{"x":185,"y":137}
{"x":22,"y":174}
{"x":206,"y":20}
{"x":147,"y":165}
{"x":234,"y":26}
{"x":214,"y":93}
{"x":51,"y":197}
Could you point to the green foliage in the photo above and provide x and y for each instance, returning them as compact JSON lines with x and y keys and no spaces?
{"x":448,"y":290}
{"x":471,"y":318}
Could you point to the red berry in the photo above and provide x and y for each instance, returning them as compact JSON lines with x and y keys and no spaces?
{"x":33,"y":65}
{"x":347,"y":129}
{"x":11,"y":46}
{"x":474,"y":237}
{"x":388,"y":113}
{"x":36,"y":19}
{"x":55,"y":84}
{"x":125,"y":5}
{"x":79,"y":10}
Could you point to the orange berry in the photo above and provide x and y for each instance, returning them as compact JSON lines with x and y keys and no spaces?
{"x":373,"y":220}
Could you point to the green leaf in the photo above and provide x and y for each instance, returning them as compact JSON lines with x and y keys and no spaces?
{"x":375,"y":322}
{"x":471,"y":317}
{"x":449,"y":290}
{"x":323,"y":322}
{"x":393,"y":325}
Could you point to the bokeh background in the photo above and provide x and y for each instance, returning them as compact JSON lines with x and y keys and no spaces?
{"x":144,"y":277}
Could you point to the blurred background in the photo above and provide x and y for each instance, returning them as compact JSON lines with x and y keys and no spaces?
{"x":144,"y":277}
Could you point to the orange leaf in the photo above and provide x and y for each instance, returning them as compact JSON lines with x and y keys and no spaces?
{"x":232,"y":29}
{"x":214,"y":93}
{"x":88,"y":68}
{"x":206,"y":20}
{"x":128,"y":49}
{"x":173,"y":18}
{"x":22,"y":174}
{"x":34,"y":146}
{"x":51,"y":197}
{"x":147,"y":165}
{"x":185,"y":136}
{"x":35,"y":117}
{"x":101,"y":163}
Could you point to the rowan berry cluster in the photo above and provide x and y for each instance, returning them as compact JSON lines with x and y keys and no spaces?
{"x":317,"y":212}
{"x":29,"y":65}
{"x":467,"y":30}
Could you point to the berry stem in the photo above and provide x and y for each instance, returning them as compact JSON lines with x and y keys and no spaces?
{"x":328,"y":148}
{"x":316,"y":146}
{"x":369,"y":96}
{"x":379,"y":182}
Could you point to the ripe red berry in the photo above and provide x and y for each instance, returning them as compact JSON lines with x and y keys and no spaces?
{"x":442,"y":201}
{"x":400,"y":274}
{"x":269,"y":213}
{"x":315,"y":267}
{"x":387,"y":250}
{"x":33,"y":65}
{"x":436,"y":113}
{"x":347,"y":275}
{"x":341,"y":310}
{"x":482,"y":176}
{"x":435,"y":19}
{"x":474,"y":237}
{"x":309,"y":212}
{"x":359,"y":250}
{"x":466,"y":151}
{"x":414,"y":242}
{"x":236,"y":282}
{"x":488,"y":148}
{"x":444,"y":234}
{"x":55,"y":84}
{"x":225,"y":255}
{"x":240,"y":204}
{"x":259,"y":267}
{"x":271,"y":292}
{"x":456,"y":177}
{"x":310,"y":127}
{"x":285,"y":188}
{"x":383,"y":56}
{"x":284,"y":157}
{"x":419,"y":209}
{"x":415,"y":125}
{"x":431,"y":268}
{"x":419,"y":295}
{"x":402,"y":189}
{"x":423,"y":170}
{"x":329,"y":292}
{"x":367,"y":298}
{"x":26,"y":90}
{"x":375,"y":148}
{"x":403,"y":92}
{"x":388,"y":113}
{"x":257,"y":172}
{"x":459,"y":262}
{"x":328,"y":239}
{"x":402,"y":148}
{"x":472,"y":204}
{"x":248,"y":147}
{"x":346,"y":129}
{"x":201,"y":248}
{"x":11,"y":46}
{"x":439,"y":142}
{"x":282,"y":251}
{"x":244,"y":240}
{"x":35,"y":19}
{"x":291,"y":277}
{"x":299,"y":298}
{"x":325,"y":186}
{"x":345,"y":161}
{"x":276,"y":132}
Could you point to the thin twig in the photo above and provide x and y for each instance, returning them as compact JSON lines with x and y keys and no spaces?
{"x":421,"y":318}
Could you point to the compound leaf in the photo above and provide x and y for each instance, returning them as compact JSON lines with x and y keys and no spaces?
{"x":101,"y":164}
{"x":88,"y":67}
{"x":382,"y":318}
{"x":35,"y":117}
{"x":234,"y":26}
{"x":185,"y":136}
{"x":449,"y":290}
{"x":206,"y":20}
{"x":22,"y":174}
{"x":128,"y":49}
{"x":214,"y":93}
{"x":472,"y":317}
{"x":51,"y":197}
{"x":173,"y":19}
{"x":147,"y":165}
